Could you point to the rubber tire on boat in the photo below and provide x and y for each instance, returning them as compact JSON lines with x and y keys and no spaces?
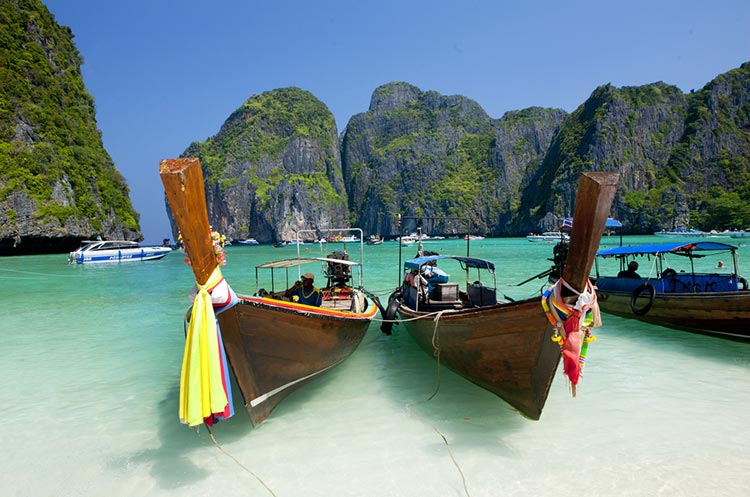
{"x":742,"y":281}
{"x":390,"y":313}
{"x":636,"y":293}
{"x":668,"y":272}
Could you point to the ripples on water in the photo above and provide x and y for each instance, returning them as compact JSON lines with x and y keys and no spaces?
{"x":90,"y":359}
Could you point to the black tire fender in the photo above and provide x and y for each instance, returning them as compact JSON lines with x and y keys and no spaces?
{"x":390,"y":312}
{"x":640,"y":311}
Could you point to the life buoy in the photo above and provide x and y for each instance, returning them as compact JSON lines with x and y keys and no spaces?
{"x":640,"y":311}
{"x":390,"y":313}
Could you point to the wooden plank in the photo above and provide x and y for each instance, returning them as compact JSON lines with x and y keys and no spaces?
{"x":183,"y":183}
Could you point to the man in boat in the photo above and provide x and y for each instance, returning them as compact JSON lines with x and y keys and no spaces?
{"x":433,"y":275}
{"x":630,"y":272}
{"x":305,"y":292}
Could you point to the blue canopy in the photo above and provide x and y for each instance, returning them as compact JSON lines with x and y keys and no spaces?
{"x":660,"y":248}
{"x":471,"y":262}
{"x":611,"y":223}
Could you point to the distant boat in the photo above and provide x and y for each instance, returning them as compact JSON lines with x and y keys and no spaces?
{"x":505,"y":347}
{"x":99,"y":251}
{"x":374,"y":240}
{"x":549,"y":236}
{"x":715,"y":302}
{"x":473,"y":237}
{"x":681,"y":233}
{"x":248,"y":241}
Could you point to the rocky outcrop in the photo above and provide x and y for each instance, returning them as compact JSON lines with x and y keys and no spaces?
{"x":274,"y":168}
{"x":57,"y":183}
{"x":422,"y":154}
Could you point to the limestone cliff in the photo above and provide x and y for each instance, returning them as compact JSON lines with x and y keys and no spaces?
{"x":419,"y":153}
{"x":273,"y":168}
{"x":57,"y":183}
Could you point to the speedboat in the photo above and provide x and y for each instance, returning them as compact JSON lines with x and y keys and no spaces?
{"x":549,"y":236}
{"x":99,"y":251}
{"x":681,"y":233}
{"x":248,"y":241}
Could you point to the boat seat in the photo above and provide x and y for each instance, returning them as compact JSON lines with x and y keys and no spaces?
{"x":481,"y":295}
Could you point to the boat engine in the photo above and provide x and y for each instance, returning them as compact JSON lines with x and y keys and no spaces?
{"x":338,"y":273}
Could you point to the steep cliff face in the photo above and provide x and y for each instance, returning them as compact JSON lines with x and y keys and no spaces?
{"x":57,"y":183}
{"x":631,"y":130}
{"x":683,"y":159}
{"x":419,"y":153}
{"x":273,"y":168}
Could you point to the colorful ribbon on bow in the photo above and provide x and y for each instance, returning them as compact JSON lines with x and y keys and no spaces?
{"x":569,"y":321}
{"x":205,"y":392}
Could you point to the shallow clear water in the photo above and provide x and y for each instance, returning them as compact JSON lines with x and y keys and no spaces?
{"x":90,"y":358}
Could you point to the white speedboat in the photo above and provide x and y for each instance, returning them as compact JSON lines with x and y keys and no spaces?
{"x":549,"y":236}
{"x":248,"y":241}
{"x":681,"y":233}
{"x":98,"y":251}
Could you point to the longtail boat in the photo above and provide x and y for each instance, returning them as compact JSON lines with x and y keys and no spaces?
{"x":273,"y":344}
{"x":679,"y":289}
{"x":510,"y":348}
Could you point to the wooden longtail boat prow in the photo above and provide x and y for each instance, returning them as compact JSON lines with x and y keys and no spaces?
{"x":504,"y":347}
{"x":273,"y":345}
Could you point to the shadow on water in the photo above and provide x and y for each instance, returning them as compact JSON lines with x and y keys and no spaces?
{"x":451,"y":405}
{"x":691,"y":344}
{"x":171,"y":462}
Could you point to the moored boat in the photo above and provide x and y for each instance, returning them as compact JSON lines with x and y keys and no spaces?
{"x":505,"y":347}
{"x":274,"y":344}
{"x":681,"y":233}
{"x":680,"y":289}
{"x":248,"y":241}
{"x":549,"y":236}
{"x":99,"y":251}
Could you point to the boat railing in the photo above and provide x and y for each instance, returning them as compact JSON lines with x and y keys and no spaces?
{"x":674,"y":283}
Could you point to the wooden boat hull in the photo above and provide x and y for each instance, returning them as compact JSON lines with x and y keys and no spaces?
{"x":717,"y":313}
{"x":275,"y":347}
{"x":506,"y":349}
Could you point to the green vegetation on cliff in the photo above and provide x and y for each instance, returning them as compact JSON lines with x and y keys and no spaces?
{"x":50,"y":147}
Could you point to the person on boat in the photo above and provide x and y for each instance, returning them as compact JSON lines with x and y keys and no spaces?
{"x":630,"y":272}
{"x":305,"y":292}
{"x":433,"y":275}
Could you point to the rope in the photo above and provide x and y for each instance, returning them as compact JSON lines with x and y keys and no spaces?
{"x":230,"y":456}
{"x":46,"y":275}
{"x":436,"y":346}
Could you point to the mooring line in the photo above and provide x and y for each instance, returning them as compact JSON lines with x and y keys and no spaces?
{"x":436,"y":346}
{"x":260,"y":480}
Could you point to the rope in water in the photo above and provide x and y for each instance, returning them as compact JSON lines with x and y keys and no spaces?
{"x":436,"y":345}
{"x":260,"y":480}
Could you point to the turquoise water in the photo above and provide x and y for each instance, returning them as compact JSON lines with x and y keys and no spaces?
{"x":90,"y":359}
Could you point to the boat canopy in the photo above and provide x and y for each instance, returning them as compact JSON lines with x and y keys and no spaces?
{"x":469,"y":262}
{"x":660,"y":248}
{"x":610,"y":223}
{"x":298,"y":261}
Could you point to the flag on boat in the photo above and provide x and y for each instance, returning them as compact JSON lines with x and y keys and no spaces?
{"x":567,"y":223}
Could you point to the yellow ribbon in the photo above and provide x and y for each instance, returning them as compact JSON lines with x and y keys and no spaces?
{"x":201,"y":388}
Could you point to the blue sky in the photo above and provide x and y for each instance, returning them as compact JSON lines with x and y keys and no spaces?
{"x":166,"y":73}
